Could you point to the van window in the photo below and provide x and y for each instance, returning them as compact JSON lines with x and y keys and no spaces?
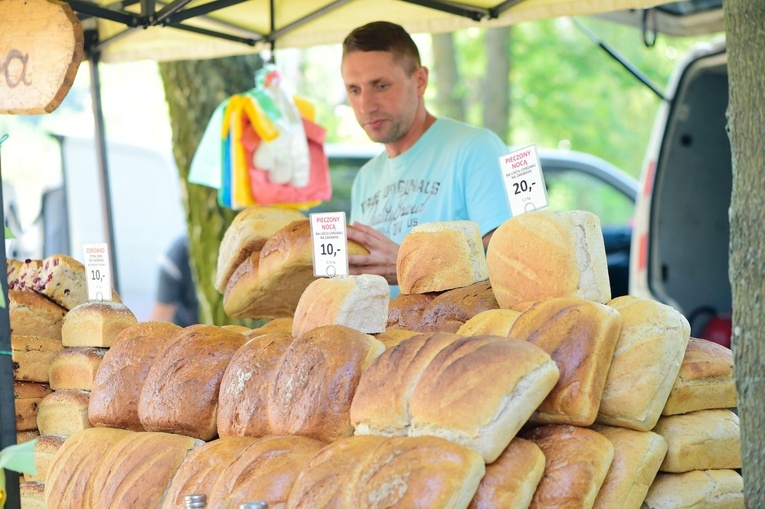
{"x":575,"y":190}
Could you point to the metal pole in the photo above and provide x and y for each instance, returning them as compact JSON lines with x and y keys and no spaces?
{"x":7,"y":402}
{"x":103,"y":163}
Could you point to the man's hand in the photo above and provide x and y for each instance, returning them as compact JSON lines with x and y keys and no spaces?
{"x":381,"y":259}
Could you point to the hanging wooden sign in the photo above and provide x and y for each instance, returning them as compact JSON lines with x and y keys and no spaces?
{"x":41,"y":47}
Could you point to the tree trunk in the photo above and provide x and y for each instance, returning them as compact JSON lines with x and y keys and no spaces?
{"x":193,"y":90}
{"x":450,"y":96}
{"x":496,"y":88}
{"x":746,"y":128}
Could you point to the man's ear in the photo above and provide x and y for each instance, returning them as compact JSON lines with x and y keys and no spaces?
{"x":421,"y":75}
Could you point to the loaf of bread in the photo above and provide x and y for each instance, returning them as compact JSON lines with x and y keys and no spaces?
{"x":283,"y":324}
{"x":512,"y":479}
{"x":137,"y":470}
{"x":180,"y":393}
{"x":392,"y":337}
{"x":311,"y":393}
{"x":580,"y":336}
{"x":544,"y":254}
{"x":637,"y":456}
{"x":32,"y":357}
{"x":95,"y":323}
{"x":374,"y":471}
{"x":75,"y":368}
{"x":32,"y":495}
{"x":23,"y":275}
{"x":27,"y":397}
{"x":31,"y":314}
{"x":265,"y":470}
{"x":63,"y":413}
{"x":26,"y":436}
{"x":698,"y":489}
{"x":69,"y":481}
{"x":479,"y":391}
{"x":381,"y":403}
{"x":243,"y":395}
{"x":439,"y":256}
{"x":707,"y":439}
{"x":246,"y":235}
{"x":45,"y":449}
{"x":492,"y":322}
{"x":405,"y":311}
{"x":358,"y":302}
{"x":13,"y":268}
{"x":62,"y":279}
{"x":122,"y":372}
{"x":646,"y":362}
{"x":450,"y":310}
{"x":283,"y":271}
{"x":576,"y":464}
{"x":705,"y":380}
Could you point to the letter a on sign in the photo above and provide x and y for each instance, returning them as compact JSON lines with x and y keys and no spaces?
{"x":41,"y":47}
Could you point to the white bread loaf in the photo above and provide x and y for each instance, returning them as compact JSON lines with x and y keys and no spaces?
{"x":358,"y":302}
{"x":698,"y":489}
{"x":374,"y":471}
{"x":75,"y":368}
{"x":580,"y":336}
{"x":32,"y":357}
{"x":265,"y":470}
{"x":439,"y":256}
{"x":479,"y":391}
{"x":450,"y":310}
{"x":545,"y":254}
{"x":576,"y":463}
{"x":243,"y":395}
{"x":315,"y":382}
{"x":123,"y":371}
{"x":95,"y":323}
{"x":44,"y":451}
{"x":63,"y":413}
{"x":180,"y":393}
{"x":703,"y":440}
{"x":27,"y":398}
{"x":512,"y":479}
{"x":637,"y":456}
{"x":646,"y":362}
{"x":283,"y":324}
{"x":493,"y":322}
{"x":246,"y":235}
{"x":405,"y":311}
{"x":31,"y":314}
{"x":381,"y":402}
{"x":32,"y":495}
{"x":705,"y":380}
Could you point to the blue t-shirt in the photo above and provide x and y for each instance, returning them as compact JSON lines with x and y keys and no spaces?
{"x":451,"y":173}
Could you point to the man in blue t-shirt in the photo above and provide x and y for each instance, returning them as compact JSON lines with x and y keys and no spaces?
{"x":432,"y":169}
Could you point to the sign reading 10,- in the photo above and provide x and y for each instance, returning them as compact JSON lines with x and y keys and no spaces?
{"x":98,"y":272}
{"x":330,"y":244}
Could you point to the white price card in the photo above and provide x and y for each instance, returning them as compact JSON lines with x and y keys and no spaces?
{"x":524,"y":183}
{"x":330,"y":244}
{"x":98,"y":272}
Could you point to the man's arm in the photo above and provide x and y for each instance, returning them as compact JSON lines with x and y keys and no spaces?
{"x":381,"y":259}
{"x":487,"y":238}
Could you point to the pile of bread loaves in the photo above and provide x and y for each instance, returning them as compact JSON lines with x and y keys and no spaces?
{"x":501,"y":379}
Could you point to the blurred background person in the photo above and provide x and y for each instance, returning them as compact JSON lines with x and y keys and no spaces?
{"x":176,"y":294}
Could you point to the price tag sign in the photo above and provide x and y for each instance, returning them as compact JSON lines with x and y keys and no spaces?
{"x":98,"y":272}
{"x":524,"y":183}
{"x":330,"y":244}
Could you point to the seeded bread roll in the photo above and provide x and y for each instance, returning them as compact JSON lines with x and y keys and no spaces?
{"x":180,"y":394}
{"x":246,"y":235}
{"x":45,"y":449}
{"x":705,"y":380}
{"x":698,"y":489}
{"x":123,"y":371}
{"x":31,"y":314}
{"x":439,"y":256}
{"x":703,"y":440}
{"x":63,"y":413}
{"x":637,"y":456}
{"x":32,"y":357}
{"x":576,"y":463}
{"x":645,"y":365}
{"x":479,"y":391}
{"x":493,"y":322}
{"x":75,"y":368}
{"x":358,"y":302}
{"x":512,"y":479}
{"x":95,"y":324}
{"x":580,"y":336}
{"x":450,"y":310}
{"x":405,"y":311}
{"x":27,"y":397}
{"x":544,"y":254}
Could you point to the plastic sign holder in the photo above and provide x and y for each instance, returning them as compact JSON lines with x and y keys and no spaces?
{"x":97,"y":271}
{"x":329,"y":244}
{"x":524,"y":182}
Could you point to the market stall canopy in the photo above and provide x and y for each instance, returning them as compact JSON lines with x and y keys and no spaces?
{"x":200,"y":29}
